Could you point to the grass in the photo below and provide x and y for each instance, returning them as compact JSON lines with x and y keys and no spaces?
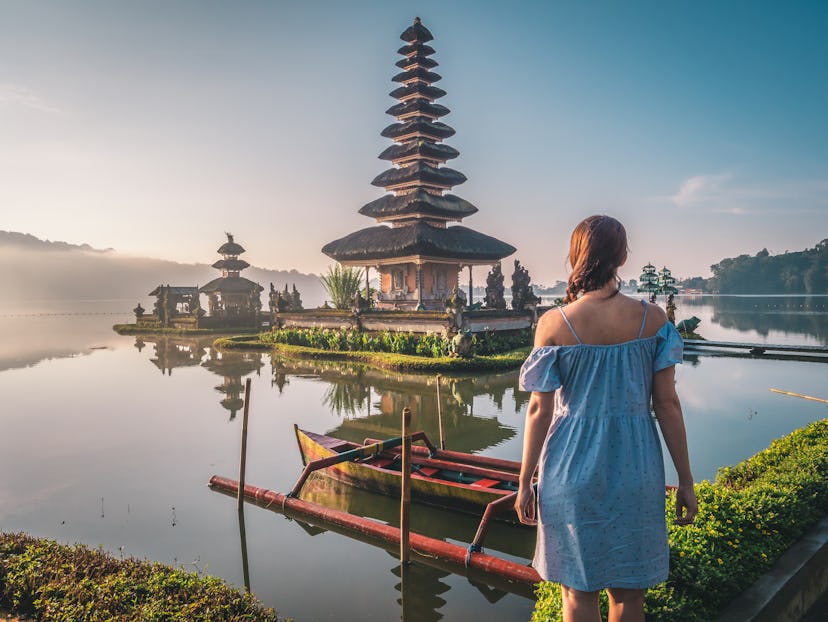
{"x":384,"y":360}
{"x":58,"y":583}
{"x":748,"y":517}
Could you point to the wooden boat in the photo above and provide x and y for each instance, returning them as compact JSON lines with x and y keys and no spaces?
{"x":448,"y":479}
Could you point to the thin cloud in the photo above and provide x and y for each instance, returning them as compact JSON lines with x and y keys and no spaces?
{"x":18,"y":95}
{"x":701,"y":190}
{"x":724,"y":194}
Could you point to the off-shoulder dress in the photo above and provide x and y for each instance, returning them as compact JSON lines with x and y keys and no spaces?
{"x":601,"y":509}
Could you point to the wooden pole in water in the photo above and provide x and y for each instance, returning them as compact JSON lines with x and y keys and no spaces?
{"x":405,"y":497}
{"x":804,"y":397}
{"x":243,"y":460}
{"x":440,"y":414}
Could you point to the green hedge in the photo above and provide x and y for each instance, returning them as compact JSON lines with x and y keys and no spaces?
{"x":55,"y":582}
{"x":747,"y":518}
{"x":384,"y":360}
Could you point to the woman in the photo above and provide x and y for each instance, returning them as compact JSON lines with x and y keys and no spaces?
{"x":596,"y":366}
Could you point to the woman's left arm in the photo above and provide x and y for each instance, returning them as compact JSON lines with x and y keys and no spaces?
{"x":538,"y":419}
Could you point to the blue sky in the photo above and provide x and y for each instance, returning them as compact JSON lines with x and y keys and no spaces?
{"x":153,"y":127}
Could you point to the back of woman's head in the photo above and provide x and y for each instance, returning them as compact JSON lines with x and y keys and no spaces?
{"x":597,"y":248}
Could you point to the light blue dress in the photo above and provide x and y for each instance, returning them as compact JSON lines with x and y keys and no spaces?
{"x":601,"y":519}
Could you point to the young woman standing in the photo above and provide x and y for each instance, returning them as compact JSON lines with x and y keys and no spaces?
{"x":597,"y":365}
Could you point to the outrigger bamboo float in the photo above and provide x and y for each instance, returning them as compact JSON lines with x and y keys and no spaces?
{"x":472,"y":562}
{"x":448,"y":479}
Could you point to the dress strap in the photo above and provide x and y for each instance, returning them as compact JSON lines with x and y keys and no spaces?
{"x":566,"y":319}
{"x":643,"y":321}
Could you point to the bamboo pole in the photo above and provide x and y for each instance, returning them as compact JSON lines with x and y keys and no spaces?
{"x":405,"y":497}
{"x":804,"y":397}
{"x":243,"y":537}
{"x":440,"y":414}
{"x":243,"y":459}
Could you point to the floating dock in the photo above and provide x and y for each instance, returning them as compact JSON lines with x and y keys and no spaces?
{"x":756,"y":350}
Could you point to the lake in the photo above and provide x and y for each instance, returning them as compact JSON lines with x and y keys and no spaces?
{"x":110,"y":441}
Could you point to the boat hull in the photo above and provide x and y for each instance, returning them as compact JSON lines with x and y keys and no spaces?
{"x":368,"y":475}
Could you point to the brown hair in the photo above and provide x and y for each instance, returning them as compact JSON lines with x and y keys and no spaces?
{"x":597,"y":248}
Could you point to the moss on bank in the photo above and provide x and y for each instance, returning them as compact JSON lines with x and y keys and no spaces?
{"x":750,"y":515}
{"x":384,"y":360}
{"x":55,"y":582}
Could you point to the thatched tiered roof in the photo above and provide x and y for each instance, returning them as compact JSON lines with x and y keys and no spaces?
{"x":416,"y":204}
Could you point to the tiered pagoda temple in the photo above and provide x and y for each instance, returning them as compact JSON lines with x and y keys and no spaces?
{"x":417,"y":254}
{"x":232,"y":296}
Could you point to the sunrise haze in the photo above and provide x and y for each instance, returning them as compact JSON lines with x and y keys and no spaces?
{"x":154,"y":127}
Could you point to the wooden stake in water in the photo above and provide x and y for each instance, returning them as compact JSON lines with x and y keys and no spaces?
{"x":440,"y":414}
{"x":243,"y":459}
{"x":405,"y":497}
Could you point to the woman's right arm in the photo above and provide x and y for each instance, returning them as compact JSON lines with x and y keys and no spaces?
{"x":538,"y":419}
{"x":668,"y":413}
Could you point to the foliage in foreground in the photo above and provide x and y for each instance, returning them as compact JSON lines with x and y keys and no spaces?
{"x":747,"y":518}
{"x":55,"y":582}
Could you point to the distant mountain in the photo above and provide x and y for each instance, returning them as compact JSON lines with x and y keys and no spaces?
{"x":35,"y":269}
{"x":13,"y":239}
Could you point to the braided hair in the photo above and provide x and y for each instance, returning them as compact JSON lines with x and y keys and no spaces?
{"x":597,"y":248}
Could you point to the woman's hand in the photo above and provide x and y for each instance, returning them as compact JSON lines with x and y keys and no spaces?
{"x":525,"y":505}
{"x":686,"y":506}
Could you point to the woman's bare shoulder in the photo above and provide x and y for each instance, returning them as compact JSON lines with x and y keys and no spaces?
{"x":656,"y":317}
{"x":548,"y":326}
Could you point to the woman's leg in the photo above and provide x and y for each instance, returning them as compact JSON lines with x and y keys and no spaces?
{"x":625,"y":605}
{"x":579,"y":606}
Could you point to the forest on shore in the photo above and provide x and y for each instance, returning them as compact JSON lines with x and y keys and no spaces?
{"x":800,"y":272}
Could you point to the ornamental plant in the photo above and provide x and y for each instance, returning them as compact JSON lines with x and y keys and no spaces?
{"x":748,"y":517}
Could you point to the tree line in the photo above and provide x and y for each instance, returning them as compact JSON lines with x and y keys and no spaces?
{"x":800,"y":272}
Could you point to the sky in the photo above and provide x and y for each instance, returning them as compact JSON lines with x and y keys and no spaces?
{"x":153,"y":127}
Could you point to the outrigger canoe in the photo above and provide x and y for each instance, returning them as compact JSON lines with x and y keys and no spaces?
{"x":448,"y":479}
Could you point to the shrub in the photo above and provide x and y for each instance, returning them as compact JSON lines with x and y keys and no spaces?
{"x":747,"y":518}
{"x":55,"y":582}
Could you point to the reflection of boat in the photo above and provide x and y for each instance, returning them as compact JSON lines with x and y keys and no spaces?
{"x":434,"y":522}
{"x":448,"y":479}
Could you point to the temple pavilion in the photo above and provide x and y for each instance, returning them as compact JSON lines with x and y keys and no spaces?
{"x":232,"y":296}
{"x":417,"y":254}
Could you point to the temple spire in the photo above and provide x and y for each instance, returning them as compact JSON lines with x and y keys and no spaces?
{"x":419,"y":256}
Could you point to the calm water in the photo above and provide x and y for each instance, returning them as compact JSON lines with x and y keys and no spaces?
{"x":110,"y":440}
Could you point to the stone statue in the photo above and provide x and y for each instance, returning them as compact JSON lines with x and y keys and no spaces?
{"x":273,"y":299}
{"x":494,"y":289}
{"x":457,"y":300}
{"x":689,"y":325}
{"x":295,"y":299}
{"x":523,"y":297}
{"x":671,"y":309}
{"x":462,"y":345}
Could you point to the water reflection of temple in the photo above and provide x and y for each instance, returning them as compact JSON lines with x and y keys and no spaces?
{"x":370,"y":401}
{"x":232,"y":367}
{"x":175,"y":351}
{"x":172,"y":352}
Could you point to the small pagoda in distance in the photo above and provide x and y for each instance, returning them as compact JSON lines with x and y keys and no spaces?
{"x":231,"y":296}
{"x":418,"y":256}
